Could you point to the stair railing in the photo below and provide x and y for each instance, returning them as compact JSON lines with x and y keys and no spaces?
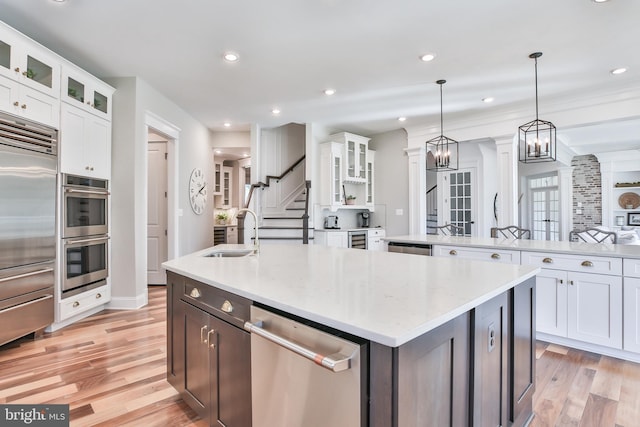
{"x":267,"y":183}
{"x":432,"y":200}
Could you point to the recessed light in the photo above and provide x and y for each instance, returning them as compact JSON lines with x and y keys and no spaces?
{"x":275,"y":111}
{"x":617,"y":71}
{"x":218,"y":152}
{"x":600,"y":1}
{"x":488,"y":99}
{"x":59,"y":1}
{"x":227,"y":124}
{"x":231,"y":57}
{"x":245,"y":155}
{"x":329,"y":92}
{"x":427,"y":57}
{"x":402,"y":119}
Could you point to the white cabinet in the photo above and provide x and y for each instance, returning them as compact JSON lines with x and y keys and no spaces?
{"x":632,"y":314}
{"x":28,"y":63}
{"x":85,"y":143}
{"x":86,"y":92}
{"x":232,"y":234}
{"x":338,"y":239}
{"x":480,"y":254}
{"x":217,"y":185}
{"x":80,"y":303}
{"x":579,"y":297}
{"x":331,"y":174}
{"x":374,"y":239}
{"x":224,"y":198}
{"x":371,"y":167}
{"x":355,"y":149}
{"x":24,"y":101}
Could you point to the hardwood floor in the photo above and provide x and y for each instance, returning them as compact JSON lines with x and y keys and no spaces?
{"x":110,"y":369}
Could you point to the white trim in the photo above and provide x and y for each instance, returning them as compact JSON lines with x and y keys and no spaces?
{"x":66,"y":322}
{"x":593,"y":348}
{"x":128,"y":303}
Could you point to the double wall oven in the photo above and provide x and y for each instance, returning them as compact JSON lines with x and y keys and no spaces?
{"x":85,"y":242}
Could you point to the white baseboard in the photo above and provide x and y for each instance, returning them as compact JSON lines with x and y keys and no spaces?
{"x":593,"y":348}
{"x":121,"y":303}
{"x":59,"y":325}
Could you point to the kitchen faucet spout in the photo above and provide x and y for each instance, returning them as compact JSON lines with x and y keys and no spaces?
{"x":256,"y":242}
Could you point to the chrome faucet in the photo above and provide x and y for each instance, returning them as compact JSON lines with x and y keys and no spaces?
{"x":256,"y":242}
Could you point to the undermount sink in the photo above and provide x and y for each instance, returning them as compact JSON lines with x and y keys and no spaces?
{"x":229,"y":253}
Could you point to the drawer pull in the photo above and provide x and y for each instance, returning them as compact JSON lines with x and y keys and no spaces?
{"x":561,"y":281}
{"x":227,"y":307}
{"x":453,"y":252}
{"x":587,"y":264}
{"x":98,"y":295}
{"x":195,"y":293}
{"x":203,"y":340}
{"x":548,"y":261}
{"x":495,"y":256}
{"x":571,"y":282}
{"x":76,"y":304}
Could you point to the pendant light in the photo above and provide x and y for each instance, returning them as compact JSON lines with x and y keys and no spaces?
{"x":444,"y":150}
{"x":537,"y":139}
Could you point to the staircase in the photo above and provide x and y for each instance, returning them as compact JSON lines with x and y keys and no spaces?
{"x":432,"y":210}
{"x":286,"y":227}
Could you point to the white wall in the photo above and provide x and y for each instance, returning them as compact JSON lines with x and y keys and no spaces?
{"x":230,"y":139}
{"x":133,"y":99}
{"x":391,"y":176}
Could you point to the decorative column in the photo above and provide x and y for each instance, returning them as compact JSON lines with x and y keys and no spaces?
{"x":417,"y":157}
{"x":565,"y":187}
{"x":507,"y":152}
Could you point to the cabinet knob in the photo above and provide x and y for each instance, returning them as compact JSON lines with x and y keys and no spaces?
{"x":561,"y":281}
{"x":23,"y":106}
{"x":210,"y":339}
{"x":17,"y":69}
{"x":587,"y":264}
{"x":15,"y":104}
{"x":98,"y":295}
{"x":24,"y":73}
{"x":76,"y":304}
{"x":548,"y":261}
{"x":453,"y":252}
{"x":195,"y":293}
{"x":571,"y":282}
{"x":495,"y":256}
{"x":227,"y":307}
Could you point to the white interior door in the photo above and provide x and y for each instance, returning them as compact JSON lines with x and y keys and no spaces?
{"x":460,"y":200}
{"x":545,"y":208}
{"x":157,"y":213}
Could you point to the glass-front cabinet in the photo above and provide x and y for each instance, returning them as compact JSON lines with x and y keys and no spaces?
{"x":371,"y":156}
{"x":27,"y":63}
{"x":355,"y":156}
{"x":84,"y":91}
{"x":331,"y":184}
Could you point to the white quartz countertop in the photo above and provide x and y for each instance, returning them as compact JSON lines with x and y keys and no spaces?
{"x":593,"y":249}
{"x":388,"y":298}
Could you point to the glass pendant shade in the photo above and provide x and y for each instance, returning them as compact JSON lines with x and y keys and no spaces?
{"x":537,"y":138}
{"x":444,"y":150}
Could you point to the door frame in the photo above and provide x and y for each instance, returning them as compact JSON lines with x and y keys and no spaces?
{"x":172,"y":133}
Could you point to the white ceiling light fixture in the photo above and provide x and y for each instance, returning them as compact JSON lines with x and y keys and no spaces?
{"x":402,"y":119}
{"x":618,"y":71}
{"x":427,"y":57}
{"x":275,"y":111}
{"x":537,"y":138}
{"x":444,"y":150}
{"x":329,"y":92}
{"x":231,"y":57}
{"x":600,"y":1}
{"x":488,"y":99}
{"x":227,"y":124}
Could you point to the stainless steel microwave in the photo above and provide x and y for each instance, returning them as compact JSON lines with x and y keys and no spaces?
{"x":85,"y":206}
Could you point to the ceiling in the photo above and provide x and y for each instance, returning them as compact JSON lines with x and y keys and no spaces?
{"x":367,"y":50}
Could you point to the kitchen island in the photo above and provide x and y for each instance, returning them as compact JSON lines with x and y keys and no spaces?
{"x":448,"y":341}
{"x":588,"y":293}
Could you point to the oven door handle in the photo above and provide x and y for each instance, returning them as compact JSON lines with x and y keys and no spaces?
{"x":76,"y":190}
{"x":21,"y":276}
{"x":95,"y":239}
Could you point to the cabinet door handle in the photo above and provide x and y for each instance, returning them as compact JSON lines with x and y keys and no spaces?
{"x":587,"y":264}
{"x":561,"y":281}
{"x":227,"y":307}
{"x":211,"y":343}
{"x":195,"y":293}
{"x":202,"y":338}
{"x":453,"y":252}
{"x":548,"y":261}
{"x":495,"y":256}
{"x":571,"y":282}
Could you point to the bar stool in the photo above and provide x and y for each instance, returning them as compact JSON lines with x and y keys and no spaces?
{"x":511,"y":232}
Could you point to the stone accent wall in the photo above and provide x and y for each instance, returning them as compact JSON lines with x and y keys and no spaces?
{"x":587,"y":190}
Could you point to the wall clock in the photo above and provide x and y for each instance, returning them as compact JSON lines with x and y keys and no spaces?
{"x":197,"y":191}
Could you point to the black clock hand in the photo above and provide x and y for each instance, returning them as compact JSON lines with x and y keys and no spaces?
{"x":202,"y":188}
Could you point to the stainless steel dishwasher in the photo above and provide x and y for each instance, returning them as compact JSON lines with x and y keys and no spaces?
{"x":409,"y":248}
{"x":303,"y":376}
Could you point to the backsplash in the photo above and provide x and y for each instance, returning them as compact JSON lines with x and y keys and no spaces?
{"x":587,"y":190}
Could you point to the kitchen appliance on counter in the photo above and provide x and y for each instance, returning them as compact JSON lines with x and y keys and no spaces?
{"x":363,"y":219}
{"x":302,"y":374}
{"x":85,"y":242}
{"x":28,"y":167}
{"x":331,"y":222}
